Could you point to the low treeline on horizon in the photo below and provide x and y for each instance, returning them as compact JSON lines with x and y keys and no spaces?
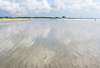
{"x":6,"y":17}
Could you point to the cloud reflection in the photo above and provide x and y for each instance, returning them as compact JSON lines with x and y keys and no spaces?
{"x":20,"y":34}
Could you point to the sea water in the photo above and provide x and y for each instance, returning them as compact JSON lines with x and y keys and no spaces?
{"x":51,"y":43}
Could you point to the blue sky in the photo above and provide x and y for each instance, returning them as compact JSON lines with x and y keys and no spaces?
{"x":68,"y":8}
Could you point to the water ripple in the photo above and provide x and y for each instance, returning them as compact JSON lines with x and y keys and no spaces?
{"x":36,"y":44}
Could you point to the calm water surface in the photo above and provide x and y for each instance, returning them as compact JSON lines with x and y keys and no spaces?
{"x":50,"y":44}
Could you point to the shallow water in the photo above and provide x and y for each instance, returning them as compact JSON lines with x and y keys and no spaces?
{"x":50,"y":44}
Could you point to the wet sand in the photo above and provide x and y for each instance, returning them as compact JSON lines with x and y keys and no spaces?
{"x":50,"y":44}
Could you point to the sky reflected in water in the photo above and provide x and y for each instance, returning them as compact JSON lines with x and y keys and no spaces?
{"x":50,"y":44}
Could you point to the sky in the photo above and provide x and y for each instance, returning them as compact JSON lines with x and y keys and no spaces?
{"x":51,"y":8}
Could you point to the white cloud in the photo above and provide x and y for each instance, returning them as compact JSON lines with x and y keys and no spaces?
{"x":23,"y":7}
{"x":87,"y":5}
{"x":19,"y":7}
{"x":11,"y":7}
{"x":71,"y":11}
{"x":74,"y":6}
{"x":91,"y":4}
{"x":62,"y":4}
{"x":87,"y":9}
{"x":34,"y":6}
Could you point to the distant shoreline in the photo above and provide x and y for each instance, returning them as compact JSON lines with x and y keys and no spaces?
{"x":29,"y":19}
{"x":12,"y":20}
{"x":15,"y":20}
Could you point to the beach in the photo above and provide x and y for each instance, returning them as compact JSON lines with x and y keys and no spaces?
{"x":55,"y":43}
{"x":20,"y":20}
{"x":12,"y":20}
